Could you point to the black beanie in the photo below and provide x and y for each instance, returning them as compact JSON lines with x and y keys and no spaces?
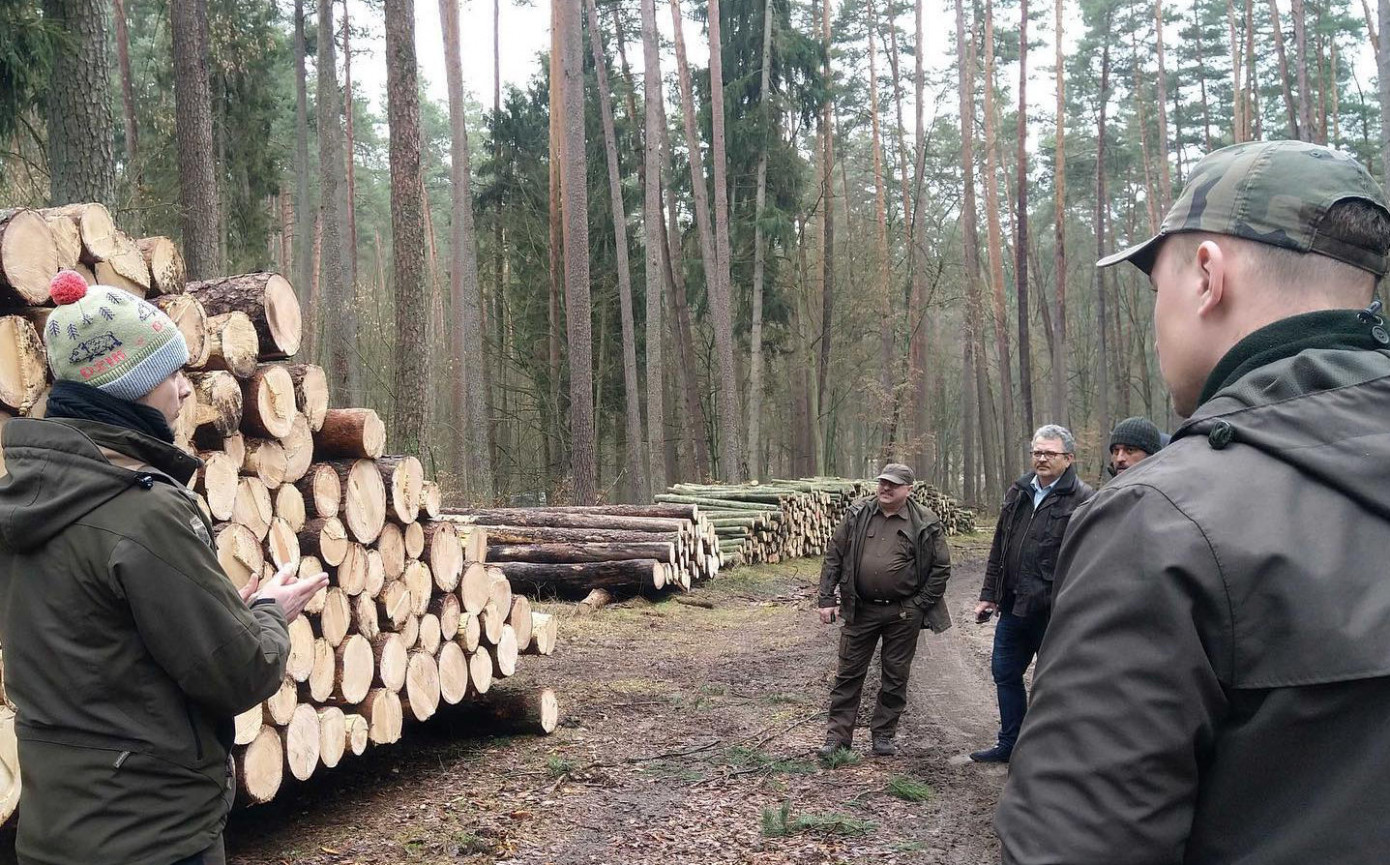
{"x":1137,"y":432}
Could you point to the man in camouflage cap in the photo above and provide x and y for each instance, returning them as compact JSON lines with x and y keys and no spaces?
{"x":1215,"y":683}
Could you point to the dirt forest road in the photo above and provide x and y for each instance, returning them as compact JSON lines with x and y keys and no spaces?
{"x":687,"y":738}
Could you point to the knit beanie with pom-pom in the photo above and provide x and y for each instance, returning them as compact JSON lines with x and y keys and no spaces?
{"x":109,"y":338}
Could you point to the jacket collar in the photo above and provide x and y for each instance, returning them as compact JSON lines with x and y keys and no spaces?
{"x":1065,"y":484}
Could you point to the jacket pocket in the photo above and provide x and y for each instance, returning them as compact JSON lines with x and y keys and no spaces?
{"x":193,"y":729}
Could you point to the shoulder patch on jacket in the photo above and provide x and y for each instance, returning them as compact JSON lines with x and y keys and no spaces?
{"x":200,"y":530}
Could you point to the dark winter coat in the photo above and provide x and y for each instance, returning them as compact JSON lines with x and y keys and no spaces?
{"x":1215,"y":683}
{"x":933,"y":562}
{"x":127,"y":651}
{"x":1040,"y":533}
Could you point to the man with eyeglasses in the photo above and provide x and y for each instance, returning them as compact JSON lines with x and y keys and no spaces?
{"x":1018,"y":578}
{"x":1215,"y":686}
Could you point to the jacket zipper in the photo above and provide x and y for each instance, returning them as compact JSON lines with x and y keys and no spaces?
{"x":193,"y":728}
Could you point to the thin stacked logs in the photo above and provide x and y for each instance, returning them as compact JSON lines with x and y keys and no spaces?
{"x":569,"y":551}
{"x":288,"y":484}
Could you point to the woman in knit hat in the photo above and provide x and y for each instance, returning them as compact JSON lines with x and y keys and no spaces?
{"x":127,"y":651}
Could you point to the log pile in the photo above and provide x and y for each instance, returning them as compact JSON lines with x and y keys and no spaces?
{"x":411,"y":619}
{"x":783,"y":519}
{"x":622,"y":549}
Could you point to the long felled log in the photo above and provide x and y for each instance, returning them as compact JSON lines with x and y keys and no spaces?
{"x":231,"y":344}
{"x":364,"y":498}
{"x":69,"y":245}
{"x":107,"y":274}
{"x":167,"y":272}
{"x":28,"y":258}
{"x":322,"y":491}
{"x":239,"y":552}
{"x":265,"y":459}
{"x":23,"y":364}
{"x":509,"y":534}
{"x":267,"y":399}
{"x":260,"y":767}
{"x":218,"y":404}
{"x":217,"y":482}
{"x":310,"y":392}
{"x":354,"y":433}
{"x":570,"y":553}
{"x":404,"y":478}
{"x":94,"y":227}
{"x":559,"y":519}
{"x":192,"y":321}
{"x":299,"y":448}
{"x":267,"y":299}
{"x":515,"y":710}
{"x":326,"y":538}
{"x":577,"y":579}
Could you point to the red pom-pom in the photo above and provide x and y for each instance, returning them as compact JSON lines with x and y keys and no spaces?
{"x":67,"y":287}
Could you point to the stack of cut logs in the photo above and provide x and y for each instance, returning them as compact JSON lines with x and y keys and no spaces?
{"x":411,"y":618}
{"x":622,"y":549}
{"x":782,"y":519}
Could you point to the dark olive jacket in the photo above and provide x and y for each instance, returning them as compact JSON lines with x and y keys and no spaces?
{"x":1214,"y":686}
{"x":933,"y":562}
{"x":1039,"y":533}
{"x":127,"y":651}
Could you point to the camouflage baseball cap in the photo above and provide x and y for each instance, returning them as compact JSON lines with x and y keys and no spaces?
{"x":1274,"y":192}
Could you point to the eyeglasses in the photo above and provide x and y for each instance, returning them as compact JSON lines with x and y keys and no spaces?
{"x":1047,"y":455}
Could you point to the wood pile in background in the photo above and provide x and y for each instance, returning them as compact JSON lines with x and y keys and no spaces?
{"x":411,"y":619}
{"x":569,"y":551}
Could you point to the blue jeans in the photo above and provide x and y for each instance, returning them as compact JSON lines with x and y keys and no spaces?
{"x":1016,"y":642}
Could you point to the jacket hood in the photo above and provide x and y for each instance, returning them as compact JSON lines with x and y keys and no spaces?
{"x":1325,"y":412}
{"x":57,"y":474}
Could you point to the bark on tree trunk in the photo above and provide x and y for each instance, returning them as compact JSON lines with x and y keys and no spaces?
{"x":1025,"y":348}
{"x":334,"y":285}
{"x":1238,"y":133}
{"x":827,"y":133}
{"x":1103,"y":367}
{"x":197,"y":173}
{"x":350,"y":156}
{"x":578,"y":312}
{"x":468,"y":390}
{"x":303,"y":218}
{"x":407,"y":227}
{"x":636,"y":468}
{"x":1165,"y":180}
{"x":1300,"y":41}
{"x":1283,"y":69}
{"x":555,"y":443}
{"x":81,"y":160}
{"x":883,"y":290}
{"x":1059,"y":210}
{"x":652,"y":233}
{"x":755,"y":339}
{"x":1009,"y":445}
{"x":132,"y":143}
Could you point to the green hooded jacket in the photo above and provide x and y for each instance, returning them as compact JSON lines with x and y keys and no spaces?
{"x":127,"y":651}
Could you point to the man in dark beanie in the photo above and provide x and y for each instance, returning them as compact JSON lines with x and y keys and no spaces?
{"x":1132,"y":441}
{"x":127,"y":650}
{"x":1215,"y":685}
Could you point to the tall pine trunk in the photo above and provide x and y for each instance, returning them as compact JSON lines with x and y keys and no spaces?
{"x":409,"y":382}
{"x":132,"y":136}
{"x":1283,"y":69}
{"x":1165,"y":179}
{"x":304,"y":221}
{"x":827,"y":136}
{"x":193,"y":122}
{"x":81,"y":159}
{"x":1059,"y":217}
{"x":755,"y":339}
{"x":574,"y":196}
{"x":922,"y":330}
{"x":1306,"y":130}
{"x":636,"y":468}
{"x":1103,"y":367}
{"x":996,"y":255}
{"x":884,"y":290}
{"x":468,"y":390}
{"x":555,"y":442}
{"x":734,"y":466}
{"x":350,"y":160}
{"x":1025,"y":345}
{"x":335,"y":288}
{"x":652,"y":233}
{"x":1238,"y":133}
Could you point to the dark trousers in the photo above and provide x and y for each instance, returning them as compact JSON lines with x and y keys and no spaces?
{"x":898,"y":626}
{"x":1016,"y":642}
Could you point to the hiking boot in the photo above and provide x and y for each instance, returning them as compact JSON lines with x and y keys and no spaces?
{"x":830,"y":749}
{"x":997,"y":754}
{"x":884,"y":747}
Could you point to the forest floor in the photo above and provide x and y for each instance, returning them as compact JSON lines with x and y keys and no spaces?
{"x":685,"y":733}
{"x":687,"y":737}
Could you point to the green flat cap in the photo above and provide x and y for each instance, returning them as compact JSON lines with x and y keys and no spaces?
{"x":1274,"y":192}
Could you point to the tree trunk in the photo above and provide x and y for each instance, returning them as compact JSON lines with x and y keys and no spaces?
{"x":1103,"y":367}
{"x":1198,"y":44}
{"x":334,"y":286}
{"x":827,"y":134}
{"x":81,"y":160}
{"x":883,"y":291}
{"x":1025,"y":347}
{"x":1059,"y":212}
{"x":409,"y":383}
{"x":921,"y":328}
{"x":1255,"y":126}
{"x":555,"y":440}
{"x":996,"y":254}
{"x":636,"y":468}
{"x":652,"y":234}
{"x":1165,"y":180}
{"x":468,"y":393}
{"x":351,"y":160}
{"x":1283,"y":69}
{"x":578,"y":311}
{"x":303,"y":219}
{"x":197,"y":173}
{"x":755,"y":339}
{"x":1300,"y":42}
{"x":132,"y":144}
{"x":1383,"y":77}
{"x":1238,"y":133}
{"x":735,"y":467}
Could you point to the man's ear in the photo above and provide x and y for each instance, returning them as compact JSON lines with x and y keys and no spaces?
{"x":1213,"y":265}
